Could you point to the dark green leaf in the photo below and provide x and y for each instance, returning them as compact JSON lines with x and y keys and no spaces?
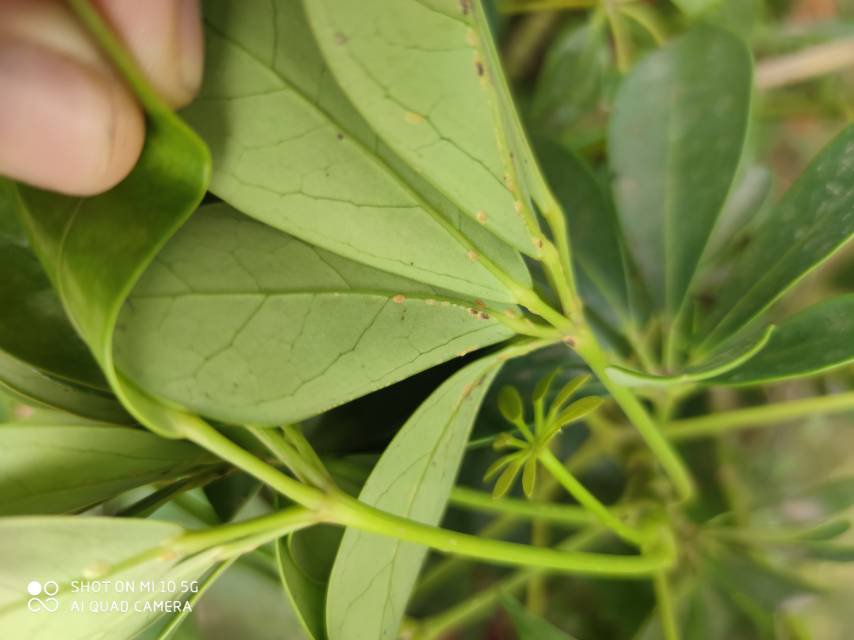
{"x":243,"y":323}
{"x":529,"y":626}
{"x":230,"y":494}
{"x":33,"y":326}
{"x":598,"y":251}
{"x":817,"y":339}
{"x":373,"y":576}
{"x":674,"y":142}
{"x":572,"y":78}
{"x":812,"y":221}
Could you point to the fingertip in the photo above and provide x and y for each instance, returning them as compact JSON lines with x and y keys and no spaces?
{"x":64,"y":126}
{"x":165,"y":37}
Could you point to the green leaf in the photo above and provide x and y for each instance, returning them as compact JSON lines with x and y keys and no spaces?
{"x":748,"y":197}
{"x":94,"y":249}
{"x":34,"y":387}
{"x":240,"y":322}
{"x":598,"y":251}
{"x":729,"y":356}
{"x":578,"y":410}
{"x":572,"y":79}
{"x":811,"y":222}
{"x":33,"y":326}
{"x":508,"y":477}
{"x":568,"y":390}
{"x":63,"y":550}
{"x":305,"y":562}
{"x":529,"y":477}
{"x":529,"y":626}
{"x":230,"y":494}
{"x":64,"y":468}
{"x":674,"y":142}
{"x":510,"y":404}
{"x":818,"y":339}
{"x":291,"y":151}
{"x":421,"y":77}
{"x":373,"y":576}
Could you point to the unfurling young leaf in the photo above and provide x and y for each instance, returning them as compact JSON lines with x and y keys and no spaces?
{"x":510,"y":404}
{"x":578,"y":410}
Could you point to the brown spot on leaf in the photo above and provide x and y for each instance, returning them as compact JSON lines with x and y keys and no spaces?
{"x":399,"y":298}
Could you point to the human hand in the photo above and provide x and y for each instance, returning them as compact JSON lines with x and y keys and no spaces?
{"x":68,"y":122}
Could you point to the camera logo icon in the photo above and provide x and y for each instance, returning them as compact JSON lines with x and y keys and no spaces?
{"x":43,"y":596}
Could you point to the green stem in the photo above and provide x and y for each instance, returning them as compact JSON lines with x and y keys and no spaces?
{"x":638,"y":416}
{"x":546,"y":511}
{"x":335,"y":507}
{"x":481,"y":604}
{"x":349,"y":512}
{"x":762,"y":416}
{"x":443,"y":571}
{"x":588,"y":500}
{"x":274,"y":525}
{"x":622,"y":45}
{"x":289,"y":456}
{"x":666,"y":611}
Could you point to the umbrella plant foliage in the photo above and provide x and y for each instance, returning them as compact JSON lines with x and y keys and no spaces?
{"x":375,"y":208}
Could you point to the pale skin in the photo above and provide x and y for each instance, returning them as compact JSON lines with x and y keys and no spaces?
{"x":68,"y":123}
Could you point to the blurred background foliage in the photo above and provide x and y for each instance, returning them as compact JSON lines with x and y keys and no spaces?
{"x":565,"y":59}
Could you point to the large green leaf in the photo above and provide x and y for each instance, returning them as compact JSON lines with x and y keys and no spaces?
{"x":421,"y":76}
{"x":94,"y":249}
{"x":69,"y":550}
{"x":674,"y":143}
{"x":373,"y":576}
{"x":291,"y":151}
{"x":812,"y":221}
{"x":241,"y":322}
{"x":817,"y":339}
{"x":529,"y":626}
{"x":63,"y":468}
